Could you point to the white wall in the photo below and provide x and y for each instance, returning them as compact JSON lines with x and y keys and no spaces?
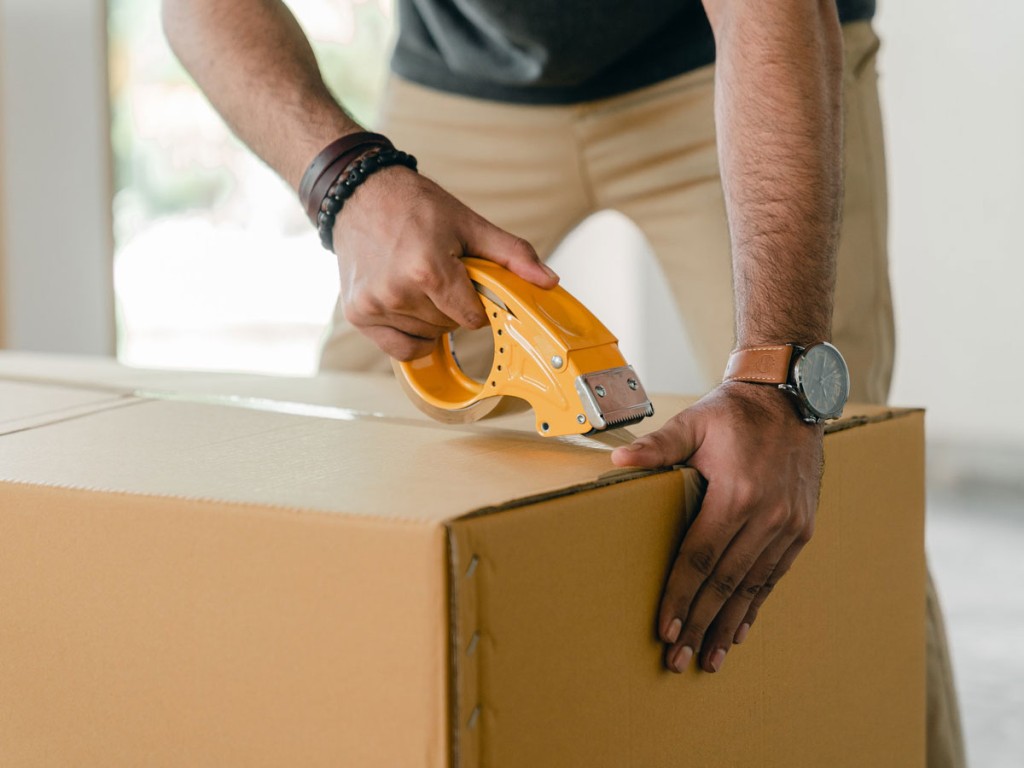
{"x":953,"y":99}
{"x":56,"y":166}
{"x":607,"y":264}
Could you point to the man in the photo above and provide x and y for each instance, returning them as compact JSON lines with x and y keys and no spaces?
{"x":535,"y":114}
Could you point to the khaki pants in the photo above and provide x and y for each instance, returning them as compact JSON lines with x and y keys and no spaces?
{"x":538,"y":171}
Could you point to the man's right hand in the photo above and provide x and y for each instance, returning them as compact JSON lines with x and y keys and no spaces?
{"x":399,"y":238}
{"x":399,"y":241}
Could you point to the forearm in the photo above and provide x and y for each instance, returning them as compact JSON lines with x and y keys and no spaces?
{"x":779,"y":122}
{"x":256,"y":66}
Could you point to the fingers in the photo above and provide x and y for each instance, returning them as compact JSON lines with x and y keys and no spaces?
{"x":401,"y":266}
{"x":725,"y":629}
{"x":704,"y":575}
{"x":428,"y":301}
{"x":784,"y":564}
{"x":400,"y":346}
{"x":674,"y":443}
{"x":514,"y":253}
{"x":413,"y":315}
{"x":722,"y":568}
{"x":762,"y":467}
{"x":451,"y":291}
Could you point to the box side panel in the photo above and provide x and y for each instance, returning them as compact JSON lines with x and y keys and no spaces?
{"x":569,"y":670}
{"x":561,"y":603}
{"x":163,"y":632}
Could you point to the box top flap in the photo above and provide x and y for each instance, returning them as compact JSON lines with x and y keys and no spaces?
{"x":328,"y":395}
{"x":337,"y":443}
{"x":355,"y":392}
{"x":362,"y":466}
{"x":26,"y":406}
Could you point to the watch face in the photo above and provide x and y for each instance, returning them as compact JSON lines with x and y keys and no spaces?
{"x":823,"y":380}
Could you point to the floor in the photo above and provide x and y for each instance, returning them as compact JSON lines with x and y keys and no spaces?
{"x":976,"y":550}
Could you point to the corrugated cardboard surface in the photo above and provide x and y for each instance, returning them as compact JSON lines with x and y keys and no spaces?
{"x":171,"y":632}
{"x":831,"y":675}
{"x":366,"y":467}
{"x":183,"y":583}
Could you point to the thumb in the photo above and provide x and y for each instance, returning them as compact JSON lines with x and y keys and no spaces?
{"x":513,"y":253}
{"x":673,"y":444}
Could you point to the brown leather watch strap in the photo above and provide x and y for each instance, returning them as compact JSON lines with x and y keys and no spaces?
{"x":760,"y":365}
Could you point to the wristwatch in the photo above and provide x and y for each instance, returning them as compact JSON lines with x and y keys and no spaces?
{"x":816,"y":375}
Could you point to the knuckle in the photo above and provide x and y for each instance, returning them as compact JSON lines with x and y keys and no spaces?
{"x":806,"y":532}
{"x":367,"y":306}
{"x":702,"y":560}
{"x":723,"y":585}
{"x":745,"y":492}
{"x":523,"y":247}
{"x":391,"y":297}
{"x":776,"y":522}
{"x":425,"y":277}
{"x":794,"y":526}
{"x":355,"y":312}
{"x":750,"y":589}
{"x":658,"y":440}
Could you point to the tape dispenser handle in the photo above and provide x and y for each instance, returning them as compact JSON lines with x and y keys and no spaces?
{"x":437,"y":379}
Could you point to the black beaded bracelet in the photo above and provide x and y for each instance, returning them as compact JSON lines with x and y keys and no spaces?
{"x":346,"y":184}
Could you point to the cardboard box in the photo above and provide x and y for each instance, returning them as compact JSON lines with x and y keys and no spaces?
{"x":200,"y":579}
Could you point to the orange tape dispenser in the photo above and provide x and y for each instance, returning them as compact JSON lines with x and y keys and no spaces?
{"x":549,"y":350}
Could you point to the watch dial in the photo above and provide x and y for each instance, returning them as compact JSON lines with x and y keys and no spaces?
{"x":823,"y":379}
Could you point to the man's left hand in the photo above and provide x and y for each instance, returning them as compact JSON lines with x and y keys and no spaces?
{"x":763,"y":466}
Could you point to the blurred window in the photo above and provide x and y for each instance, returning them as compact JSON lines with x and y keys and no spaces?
{"x":216,"y":266}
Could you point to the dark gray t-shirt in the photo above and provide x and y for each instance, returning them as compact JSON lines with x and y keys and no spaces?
{"x":555,"y":51}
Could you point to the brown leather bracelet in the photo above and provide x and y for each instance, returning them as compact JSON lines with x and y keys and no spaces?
{"x":353,"y":177}
{"x":327,"y":160}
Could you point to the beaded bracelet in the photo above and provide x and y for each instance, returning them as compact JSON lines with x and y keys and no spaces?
{"x":346,"y":184}
{"x":330,"y":162}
